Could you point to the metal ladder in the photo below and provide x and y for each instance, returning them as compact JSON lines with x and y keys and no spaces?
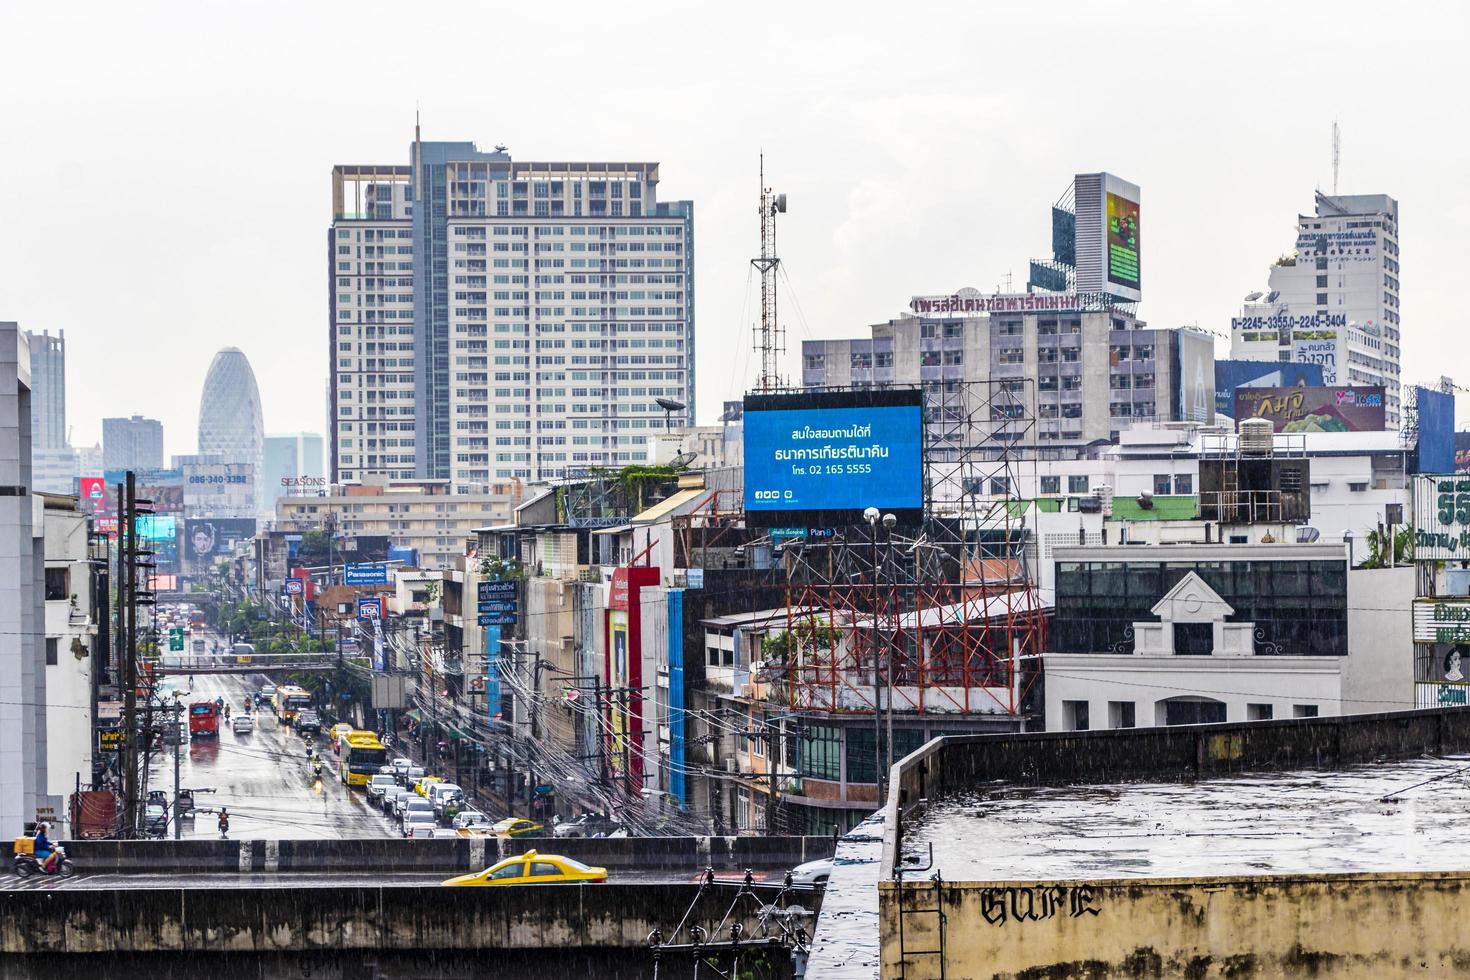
{"x":941,"y":920}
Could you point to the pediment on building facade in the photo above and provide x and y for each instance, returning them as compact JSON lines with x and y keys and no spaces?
{"x":1193,"y":601}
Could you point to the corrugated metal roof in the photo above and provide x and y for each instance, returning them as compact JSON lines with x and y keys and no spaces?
{"x":666,"y":507}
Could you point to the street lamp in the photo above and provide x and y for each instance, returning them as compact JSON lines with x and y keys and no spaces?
{"x":872,"y":515}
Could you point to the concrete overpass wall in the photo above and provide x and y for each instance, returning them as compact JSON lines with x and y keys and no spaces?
{"x":76,"y":923}
{"x":450,"y":855}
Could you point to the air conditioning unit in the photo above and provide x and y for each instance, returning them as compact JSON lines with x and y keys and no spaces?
{"x":731,"y":765}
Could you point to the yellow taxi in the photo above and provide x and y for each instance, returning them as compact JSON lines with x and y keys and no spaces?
{"x":338,"y":730}
{"x":533,"y":868}
{"x":517,"y":827}
{"x":422,"y":786}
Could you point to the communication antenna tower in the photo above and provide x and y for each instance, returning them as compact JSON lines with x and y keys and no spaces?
{"x":770,"y":339}
{"x":1336,"y":155}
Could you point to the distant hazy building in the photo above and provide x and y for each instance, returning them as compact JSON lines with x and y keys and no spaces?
{"x":293,"y":464}
{"x":23,"y":746}
{"x":520,"y":324}
{"x":53,"y":463}
{"x":134,"y":443}
{"x":422,"y":515}
{"x":1333,"y":300}
{"x":231,"y":428}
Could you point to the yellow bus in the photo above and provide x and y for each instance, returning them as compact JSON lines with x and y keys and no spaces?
{"x":289,"y":701}
{"x":362,"y":755}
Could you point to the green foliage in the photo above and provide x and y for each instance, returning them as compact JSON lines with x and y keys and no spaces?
{"x":1378,"y":545}
{"x":808,"y":635}
{"x":500,"y":568}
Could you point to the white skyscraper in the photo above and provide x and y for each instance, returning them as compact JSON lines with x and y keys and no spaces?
{"x":231,"y":429}
{"x":520,"y":324}
{"x":1333,"y":299}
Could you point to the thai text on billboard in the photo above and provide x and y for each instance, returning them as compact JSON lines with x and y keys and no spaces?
{"x":1122,"y":241}
{"x":1356,"y":409}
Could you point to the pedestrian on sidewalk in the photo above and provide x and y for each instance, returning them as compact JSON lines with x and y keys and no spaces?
{"x":224,"y":823}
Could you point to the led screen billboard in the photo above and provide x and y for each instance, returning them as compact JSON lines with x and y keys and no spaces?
{"x":819,"y":458}
{"x":1357,"y":409}
{"x":159,"y":533}
{"x":1122,"y":241}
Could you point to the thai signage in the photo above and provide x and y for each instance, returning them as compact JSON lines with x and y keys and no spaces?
{"x":1442,"y":517}
{"x":1357,"y":409}
{"x":971,"y":301}
{"x":1443,"y":621}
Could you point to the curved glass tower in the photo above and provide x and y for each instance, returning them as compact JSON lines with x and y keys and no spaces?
{"x":230,"y":424}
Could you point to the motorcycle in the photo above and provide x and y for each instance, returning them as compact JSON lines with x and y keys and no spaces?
{"x":316,"y":768}
{"x":27,"y":864}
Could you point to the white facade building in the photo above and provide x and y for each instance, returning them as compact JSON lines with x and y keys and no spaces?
{"x":24,"y":782}
{"x":1194,"y":657}
{"x":1333,"y":299}
{"x":69,"y":644}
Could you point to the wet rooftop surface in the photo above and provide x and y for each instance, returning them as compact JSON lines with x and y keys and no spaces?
{"x":1266,"y":823}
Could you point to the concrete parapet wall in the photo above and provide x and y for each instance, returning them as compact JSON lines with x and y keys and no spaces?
{"x":1351,"y":925}
{"x":449,"y":855}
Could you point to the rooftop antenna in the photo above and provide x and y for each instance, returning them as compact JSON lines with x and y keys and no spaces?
{"x":1336,"y":154}
{"x":770,"y":339}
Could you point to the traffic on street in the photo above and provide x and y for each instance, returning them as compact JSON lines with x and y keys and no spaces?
{"x":261,"y":777}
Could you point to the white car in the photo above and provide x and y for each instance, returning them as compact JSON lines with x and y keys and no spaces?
{"x":812,"y":873}
{"x":242,"y":724}
{"x":470,"y":818}
{"x":418,"y":823}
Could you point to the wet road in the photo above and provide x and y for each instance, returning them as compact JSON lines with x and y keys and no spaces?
{"x":262,"y":777}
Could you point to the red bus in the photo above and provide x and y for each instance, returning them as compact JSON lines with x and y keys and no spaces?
{"x":203,"y":719}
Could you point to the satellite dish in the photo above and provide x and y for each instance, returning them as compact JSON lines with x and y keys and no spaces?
{"x":670,"y":404}
{"x":1252,"y":297}
{"x":1272,"y":295}
{"x":780,"y":203}
{"x":682,"y":460}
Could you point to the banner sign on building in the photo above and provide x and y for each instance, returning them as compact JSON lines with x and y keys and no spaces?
{"x":497,"y":603}
{"x":93,"y":491}
{"x":295,"y":586}
{"x":1443,"y":621}
{"x":366,"y":574}
{"x":1275,"y":322}
{"x":497,"y":618}
{"x":1442,"y":517}
{"x":1325,"y":409}
{"x":369,"y":607}
{"x":973,"y":301}
{"x":1319,"y":350}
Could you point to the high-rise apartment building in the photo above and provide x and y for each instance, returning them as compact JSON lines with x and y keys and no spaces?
{"x":1333,"y":299}
{"x":53,"y":462}
{"x":1083,"y":375}
{"x":133,"y":443}
{"x":520,"y":322}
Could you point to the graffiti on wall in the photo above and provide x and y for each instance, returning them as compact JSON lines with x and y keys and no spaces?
{"x":1002,"y":905}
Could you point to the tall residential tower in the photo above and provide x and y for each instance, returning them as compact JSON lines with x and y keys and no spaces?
{"x":521,"y":323}
{"x":1333,"y":300}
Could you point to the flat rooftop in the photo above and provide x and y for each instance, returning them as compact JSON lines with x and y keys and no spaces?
{"x":1303,"y":821}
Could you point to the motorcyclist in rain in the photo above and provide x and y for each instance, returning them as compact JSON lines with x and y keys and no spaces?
{"x":45,"y":853}
{"x":316,"y":767}
{"x":224,"y":822}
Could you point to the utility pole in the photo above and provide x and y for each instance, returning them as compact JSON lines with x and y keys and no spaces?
{"x":178,"y":753}
{"x":127,"y":681}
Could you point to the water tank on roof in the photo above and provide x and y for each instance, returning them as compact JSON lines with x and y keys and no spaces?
{"x":1104,"y":494}
{"x":1255,"y":437}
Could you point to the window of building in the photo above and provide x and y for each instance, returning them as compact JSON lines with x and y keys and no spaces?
{"x":1000,"y":486}
{"x":930,"y":358}
{"x":862,"y":757}
{"x":1051,"y":484}
{"x":1193,"y":712}
{"x":1184,"y":483}
{"x":883,"y":358}
{"x":57,"y":583}
{"x":1074,"y":716}
{"x":1120,"y":714}
{"x":928,"y":330}
{"x":1163,"y":484}
{"x":1258,"y":712}
{"x":821,"y":752}
{"x":52,"y":646}
{"x":1077,"y":484}
{"x":1304,"y":711}
{"x":1194,"y":639}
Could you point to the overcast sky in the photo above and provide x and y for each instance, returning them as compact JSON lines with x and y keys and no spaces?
{"x":165,"y":180}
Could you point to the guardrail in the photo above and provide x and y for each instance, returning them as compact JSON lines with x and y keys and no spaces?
{"x":244,"y":662}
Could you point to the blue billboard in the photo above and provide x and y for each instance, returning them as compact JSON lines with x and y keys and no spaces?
{"x":821,"y":457}
{"x":365,"y":574}
{"x":1436,"y":449}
